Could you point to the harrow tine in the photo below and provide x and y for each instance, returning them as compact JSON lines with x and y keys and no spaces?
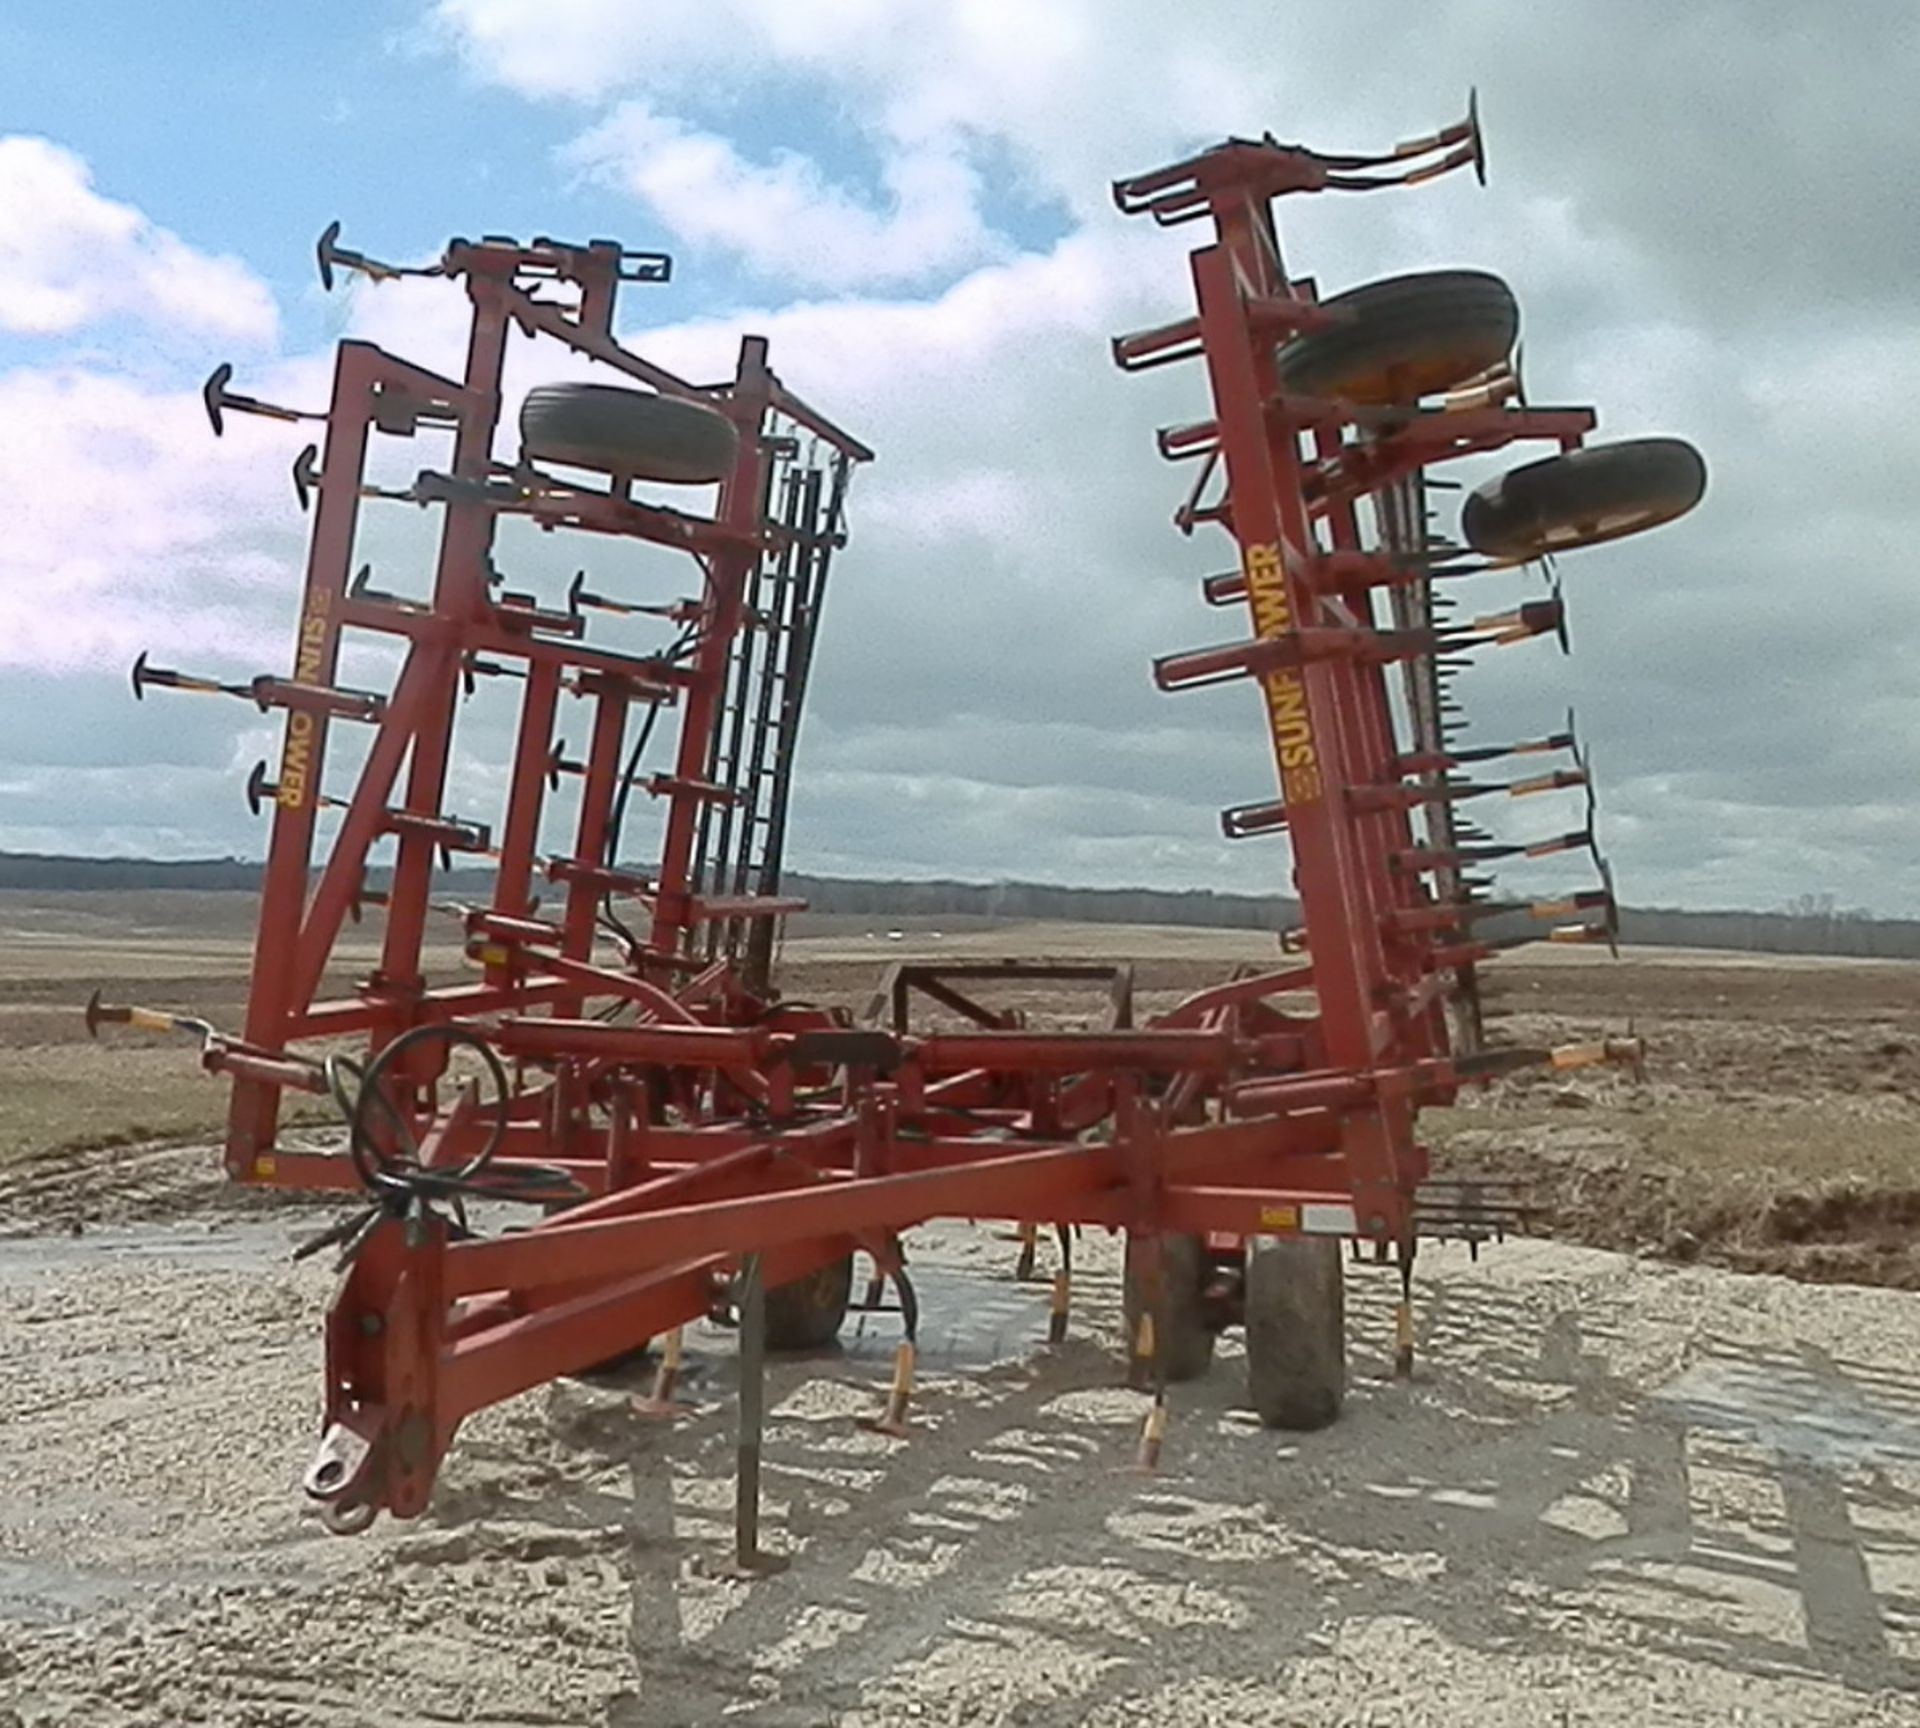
{"x":892,"y":1421}
{"x":219,"y":401}
{"x":558,"y":763}
{"x":1526,"y":747}
{"x":329,"y":255}
{"x":166,"y":678}
{"x":1463,"y":156}
{"x":1612,"y":921}
{"x":306,"y":475}
{"x":1060,"y":1301}
{"x":1589,"y":832}
{"x":1585,"y":900}
{"x":1559,"y":780}
{"x":473,"y":668}
{"x":361,"y":588}
{"x":1561,"y":1058}
{"x":1583,"y":935}
{"x":1572,"y":841}
{"x":1501,"y":629}
{"x":1403,"y":1314}
{"x":261,"y":791}
{"x":100,"y":1012}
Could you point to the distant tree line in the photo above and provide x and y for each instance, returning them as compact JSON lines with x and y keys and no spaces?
{"x":1795,"y":929}
{"x":1029,"y":900}
{"x":1808,"y":924}
{"x":51,"y":873}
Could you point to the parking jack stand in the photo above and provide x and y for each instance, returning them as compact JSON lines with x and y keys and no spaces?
{"x":1403,"y":1318}
{"x":748,"y":1557}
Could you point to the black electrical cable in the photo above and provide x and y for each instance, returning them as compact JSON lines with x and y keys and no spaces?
{"x":617,"y":818}
{"x":402,"y":1179}
{"x":681,"y":646}
{"x":909,"y":1303}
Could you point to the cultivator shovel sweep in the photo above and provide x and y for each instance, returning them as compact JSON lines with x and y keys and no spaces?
{"x":685,"y":1143}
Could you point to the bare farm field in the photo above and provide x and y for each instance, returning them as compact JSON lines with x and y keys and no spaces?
{"x":1639,"y":1476}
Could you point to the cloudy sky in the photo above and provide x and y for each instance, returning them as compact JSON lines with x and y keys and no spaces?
{"x":1704,"y":210}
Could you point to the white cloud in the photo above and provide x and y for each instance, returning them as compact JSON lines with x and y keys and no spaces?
{"x":70,"y":257}
{"x":1034,"y":93}
{"x":130,"y":527}
{"x":983,"y":704}
{"x":783,"y":218}
{"x":587,"y":48}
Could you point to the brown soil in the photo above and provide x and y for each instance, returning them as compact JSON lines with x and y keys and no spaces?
{"x":1778,"y":1128}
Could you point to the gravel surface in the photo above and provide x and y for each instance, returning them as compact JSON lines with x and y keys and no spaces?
{"x":1617,"y":1492}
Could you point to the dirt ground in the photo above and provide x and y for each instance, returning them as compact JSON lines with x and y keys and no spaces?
{"x":1622,"y":1488}
{"x":1777,"y":1127}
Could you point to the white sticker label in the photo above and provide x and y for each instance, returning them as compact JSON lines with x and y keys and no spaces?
{"x":1320,"y":1219}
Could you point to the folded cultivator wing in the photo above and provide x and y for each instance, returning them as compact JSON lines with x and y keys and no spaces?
{"x":620,"y":1062}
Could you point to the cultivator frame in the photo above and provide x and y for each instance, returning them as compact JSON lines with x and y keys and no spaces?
{"x":689,"y":1134}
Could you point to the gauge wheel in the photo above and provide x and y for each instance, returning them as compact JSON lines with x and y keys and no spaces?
{"x":1181,"y":1331}
{"x":1404,"y":337}
{"x":1583,"y":497}
{"x":806,"y":1313}
{"x":1296,"y":1330}
{"x":629,"y":434}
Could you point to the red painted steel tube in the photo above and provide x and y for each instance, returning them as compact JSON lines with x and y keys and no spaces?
{"x":459,"y":592}
{"x":485,"y":1366}
{"x":1238,"y":992}
{"x":526,"y":797}
{"x":664,"y":1046}
{"x":590,"y":839}
{"x":345,"y":870}
{"x":563,"y":1252}
{"x":516,"y":1353}
{"x":274,"y":992}
{"x":742,"y":510}
{"x":1150,"y":1051}
{"x":448,"y":1002}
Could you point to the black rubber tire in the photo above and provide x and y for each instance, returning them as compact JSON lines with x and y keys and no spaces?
{"x":1407,"y":337}
{"x":807,"y":1313}
{"x":1581,"y":498}
{"x":1296,"y":1330}
{"x":627,"y":433}
{"x":1181,"y":1331}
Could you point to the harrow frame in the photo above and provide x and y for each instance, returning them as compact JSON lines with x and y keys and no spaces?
{"x":693,"y":1131}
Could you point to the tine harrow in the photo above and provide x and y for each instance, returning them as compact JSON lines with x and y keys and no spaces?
{"x":689,"y":1143}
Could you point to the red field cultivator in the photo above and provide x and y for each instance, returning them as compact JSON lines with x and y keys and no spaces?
{"x":687,"y":1143}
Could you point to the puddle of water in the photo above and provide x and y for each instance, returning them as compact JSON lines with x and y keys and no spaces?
{"x":1799,"y":1415}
